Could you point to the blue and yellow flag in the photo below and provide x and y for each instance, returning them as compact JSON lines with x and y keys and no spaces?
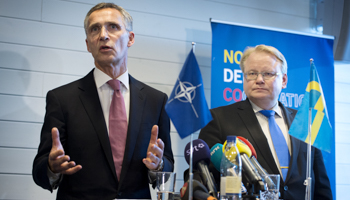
{"x":315,"y":104}
{"x":187,"y":106}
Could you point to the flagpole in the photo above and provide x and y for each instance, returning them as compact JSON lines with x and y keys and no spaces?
{"x":308,"y":170}
{"x":190,"y":193}
{"x":190,"y":180}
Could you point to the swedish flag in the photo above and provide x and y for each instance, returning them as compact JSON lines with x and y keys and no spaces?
{"x":314,"y":104}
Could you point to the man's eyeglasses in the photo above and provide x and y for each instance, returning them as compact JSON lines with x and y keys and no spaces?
{"x":266,"y":75}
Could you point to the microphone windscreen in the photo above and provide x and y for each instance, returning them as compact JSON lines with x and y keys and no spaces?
{"x":201,"y":152}
{"x":196,"y":186}
{"x":241,"y":147}
{"x":249,"y":145}
{"x":215,"y":155}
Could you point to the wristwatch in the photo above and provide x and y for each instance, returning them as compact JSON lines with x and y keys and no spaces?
{"x":160,"y":166}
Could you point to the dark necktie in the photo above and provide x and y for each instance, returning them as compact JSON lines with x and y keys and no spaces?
{"x":118,"y":126}
{"x":279,"y":142}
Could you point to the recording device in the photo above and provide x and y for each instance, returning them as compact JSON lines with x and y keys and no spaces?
{"x":255,"y":162}
{"x":245,"y":141}
{"x":249,"y":170}
{"x":200,"y":192}
{"x":216,"y":154}
{"x":201,"y":160}
{"x":255,"y":183}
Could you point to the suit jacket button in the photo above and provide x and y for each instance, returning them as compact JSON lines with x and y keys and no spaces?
{"x":285,"y":188}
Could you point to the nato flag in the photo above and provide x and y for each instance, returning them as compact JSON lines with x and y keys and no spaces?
{"x":186,"y":106}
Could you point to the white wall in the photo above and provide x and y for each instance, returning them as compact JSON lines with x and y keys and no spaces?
{"x":342,"y":128}
{"x":42,"y":46}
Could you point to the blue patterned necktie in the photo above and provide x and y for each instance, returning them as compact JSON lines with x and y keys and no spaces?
{"x":279,"y":142}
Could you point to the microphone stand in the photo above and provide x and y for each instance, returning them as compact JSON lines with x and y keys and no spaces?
{"x":253,"y":193}
{"x":190,"y":185}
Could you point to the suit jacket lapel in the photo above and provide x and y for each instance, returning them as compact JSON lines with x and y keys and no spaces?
{"x":137,"y":101}
{"x":90,"y":99}
{"x":257,"y":136}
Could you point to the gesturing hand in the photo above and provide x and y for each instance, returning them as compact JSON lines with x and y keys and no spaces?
{"x":154,"y":151}
{"x":58,"y":161}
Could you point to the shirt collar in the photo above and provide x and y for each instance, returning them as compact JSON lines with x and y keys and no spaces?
{"x":101,"y":78}
{"x":275,"y":108}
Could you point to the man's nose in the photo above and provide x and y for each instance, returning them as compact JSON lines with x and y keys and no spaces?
{"x":104,"y":34}
{"x":260,"y":78}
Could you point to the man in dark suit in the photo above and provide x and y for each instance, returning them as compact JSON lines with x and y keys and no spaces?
{"x":75,"y":153}
{"x":265,"y":75}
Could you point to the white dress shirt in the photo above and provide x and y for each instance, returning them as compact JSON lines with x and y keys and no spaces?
{"x":105,"y":92}
{"x":264,"y":123}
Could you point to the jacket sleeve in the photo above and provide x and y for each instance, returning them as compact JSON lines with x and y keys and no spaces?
{"x":322,"y":184}
{"x":53,"y":118}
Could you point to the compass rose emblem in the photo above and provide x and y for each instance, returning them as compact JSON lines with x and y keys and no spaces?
{"x":186,"y":92}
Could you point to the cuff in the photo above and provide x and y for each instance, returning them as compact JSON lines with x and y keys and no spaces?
{"x":152,"y":173}
{"x":54,"y":178}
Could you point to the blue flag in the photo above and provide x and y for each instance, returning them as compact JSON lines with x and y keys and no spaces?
{"x":186,"y":106}
{"x":314,"y":103}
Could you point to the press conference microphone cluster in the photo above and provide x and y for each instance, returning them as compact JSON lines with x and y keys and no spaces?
{"x":201,"y":160}
{"x":249,"y":170}
{"x":255,"y":162}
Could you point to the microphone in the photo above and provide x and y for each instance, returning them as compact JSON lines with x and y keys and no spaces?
{"x":255,"y":162}
{"x":245,"y":141}
{"x":249,"y":170}
{"x":216,"y":154}
{"x":241,"y":146}
{"x":200,"y":192}
{"x":201,"y":160}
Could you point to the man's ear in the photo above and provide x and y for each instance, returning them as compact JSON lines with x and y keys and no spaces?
{"x":284,"y":81}
{"x":87,"y":45}
{"x":131,"y":38}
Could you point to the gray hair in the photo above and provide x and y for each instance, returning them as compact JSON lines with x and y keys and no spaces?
{"x":127,"y":19}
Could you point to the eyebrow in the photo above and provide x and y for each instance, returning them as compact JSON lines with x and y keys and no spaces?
{"x":108,"y":22}
{"x":93,"y":25}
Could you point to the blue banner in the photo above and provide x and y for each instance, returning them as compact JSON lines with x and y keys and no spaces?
{"x":228,"y":43}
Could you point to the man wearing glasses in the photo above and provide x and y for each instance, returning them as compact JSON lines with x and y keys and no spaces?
{"x":265,"y":75}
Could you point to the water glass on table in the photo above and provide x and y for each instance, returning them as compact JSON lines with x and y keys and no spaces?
{"x":165,"y":185}
{"x":272,"y":183}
